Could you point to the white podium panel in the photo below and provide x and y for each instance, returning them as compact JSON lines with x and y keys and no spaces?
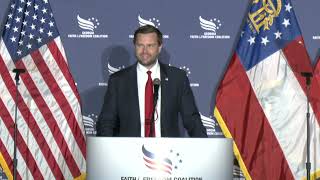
{"x":113,"y":158}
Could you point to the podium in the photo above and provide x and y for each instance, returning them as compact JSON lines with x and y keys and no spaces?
{"x":117,"y":158}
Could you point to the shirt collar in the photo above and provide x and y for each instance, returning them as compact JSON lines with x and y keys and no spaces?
{"x":154,"y":68}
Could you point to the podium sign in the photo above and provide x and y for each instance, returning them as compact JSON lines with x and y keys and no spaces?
{"x":116,"y":158}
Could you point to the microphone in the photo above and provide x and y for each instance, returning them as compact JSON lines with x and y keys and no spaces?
{"x":156,"y":85}
{"x":20,"y":71}
{"x":308,"y":76}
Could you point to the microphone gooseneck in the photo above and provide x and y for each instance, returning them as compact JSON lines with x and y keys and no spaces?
{"x":308,"y":76}
{"x":156,"y":85}
{"x":15,"y":131}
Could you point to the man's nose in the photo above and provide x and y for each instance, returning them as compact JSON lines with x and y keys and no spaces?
{"x":145,"y":49}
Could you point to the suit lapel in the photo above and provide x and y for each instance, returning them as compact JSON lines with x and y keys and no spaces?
{"x":135,"y":111}
{"x":164,"y":94}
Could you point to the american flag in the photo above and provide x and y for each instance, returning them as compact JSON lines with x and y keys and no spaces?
{"x":51,"y":138}
{"x":261,"y":102}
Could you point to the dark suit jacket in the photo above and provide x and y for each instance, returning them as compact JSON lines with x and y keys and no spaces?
{"x":120,"y":115}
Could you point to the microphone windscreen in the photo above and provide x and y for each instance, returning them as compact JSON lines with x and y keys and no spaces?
{"x":156,"y":81}
{"x":19,"y":70}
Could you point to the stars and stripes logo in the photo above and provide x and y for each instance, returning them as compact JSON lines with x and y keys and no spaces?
{"x":210,"y":25}
{"x":157,"y":162}
{"x":152,"y":21}
{"x":88,"y":25}
{"x":50,"y":138}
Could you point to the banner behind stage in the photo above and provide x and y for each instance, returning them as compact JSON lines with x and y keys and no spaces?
{"x":199,"y":37}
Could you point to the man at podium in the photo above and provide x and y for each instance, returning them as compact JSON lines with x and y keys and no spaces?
{"x":146,"y":98}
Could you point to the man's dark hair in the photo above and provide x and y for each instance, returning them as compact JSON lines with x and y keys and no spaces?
{"x":147,"y":29}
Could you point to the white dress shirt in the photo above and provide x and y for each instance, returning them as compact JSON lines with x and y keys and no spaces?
{"x":142,"y":78}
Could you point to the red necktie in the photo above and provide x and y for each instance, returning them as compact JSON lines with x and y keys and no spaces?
{"x":149,"y":130}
